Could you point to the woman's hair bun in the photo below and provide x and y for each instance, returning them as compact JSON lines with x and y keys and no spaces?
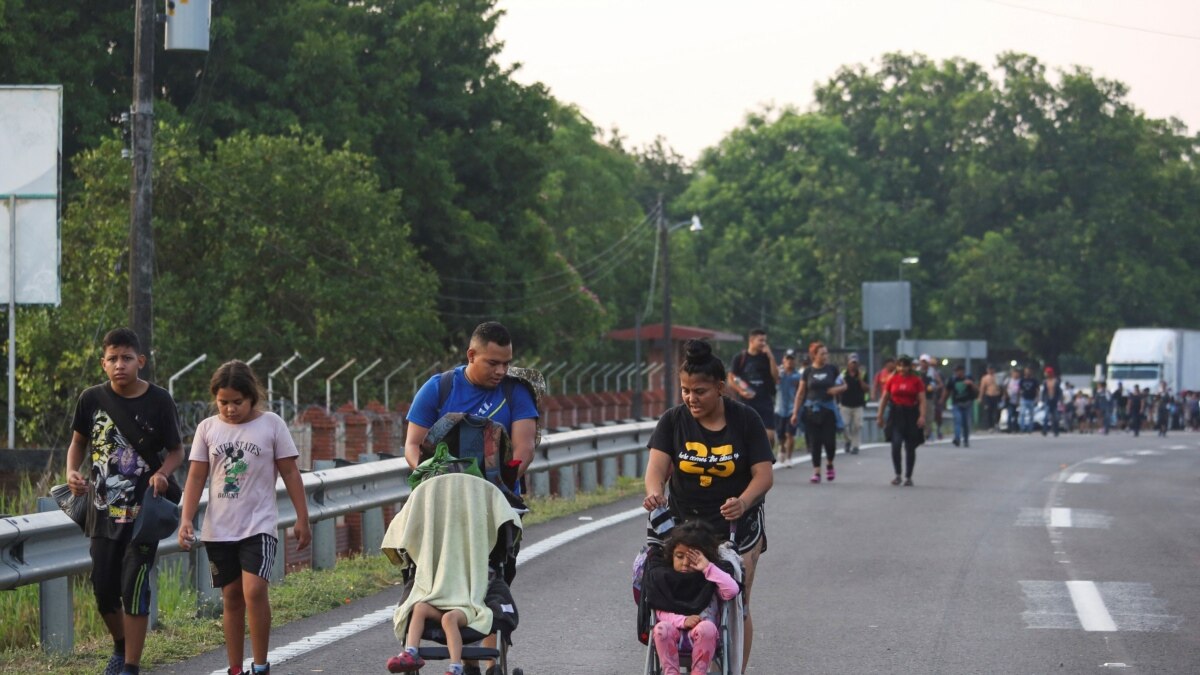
{"x":697,"y":352}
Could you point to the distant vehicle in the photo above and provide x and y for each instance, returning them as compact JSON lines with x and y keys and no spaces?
{"x":1147,"y":357}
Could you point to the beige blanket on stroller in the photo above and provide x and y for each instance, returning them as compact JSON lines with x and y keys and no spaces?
{"x":447,"y":528}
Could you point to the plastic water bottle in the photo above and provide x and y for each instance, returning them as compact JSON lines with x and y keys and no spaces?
{"x":745,"y":387}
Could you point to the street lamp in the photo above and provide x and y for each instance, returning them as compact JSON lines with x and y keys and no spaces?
{"x":664,"y":229}
{"x":911,"y":260}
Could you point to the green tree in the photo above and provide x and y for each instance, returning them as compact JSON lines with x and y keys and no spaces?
{"x":266,"y":244}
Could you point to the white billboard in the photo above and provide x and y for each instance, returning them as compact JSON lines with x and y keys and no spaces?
{"x":30,"y":175}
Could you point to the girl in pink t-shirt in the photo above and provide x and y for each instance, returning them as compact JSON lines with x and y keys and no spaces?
{"x":238,"y":453}
{"x":680,"y":587}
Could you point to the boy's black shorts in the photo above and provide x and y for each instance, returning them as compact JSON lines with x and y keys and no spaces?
{"x":228,"y":559}
{"x":121,"y":575}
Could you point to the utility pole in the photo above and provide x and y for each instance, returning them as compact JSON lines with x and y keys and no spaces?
{"x":141,"y":232}
{"x":668,"y":353}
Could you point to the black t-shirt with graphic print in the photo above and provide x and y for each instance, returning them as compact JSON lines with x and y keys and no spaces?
{"x":710,"y":466}
{"x":119,"y":475}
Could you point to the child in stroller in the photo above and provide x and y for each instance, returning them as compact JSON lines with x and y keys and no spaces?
{"x":457,"y":538}
{"x":686,"y":588}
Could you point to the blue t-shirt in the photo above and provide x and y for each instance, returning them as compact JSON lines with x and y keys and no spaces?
{"x":468,"y":398}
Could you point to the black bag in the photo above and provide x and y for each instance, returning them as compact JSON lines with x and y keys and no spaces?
{"x":144,"y":441}
{"x":75,"y":506}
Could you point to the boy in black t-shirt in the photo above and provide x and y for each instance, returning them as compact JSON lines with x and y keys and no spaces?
{"x":118,"y":479}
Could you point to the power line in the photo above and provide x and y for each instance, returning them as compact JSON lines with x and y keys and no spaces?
{"x":1110,"y":24}
{"x":628,"y":233}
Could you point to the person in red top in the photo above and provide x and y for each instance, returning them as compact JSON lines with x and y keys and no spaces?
{"x":905,"y":424}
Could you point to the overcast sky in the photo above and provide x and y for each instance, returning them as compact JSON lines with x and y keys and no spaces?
{"x":689,"y":70}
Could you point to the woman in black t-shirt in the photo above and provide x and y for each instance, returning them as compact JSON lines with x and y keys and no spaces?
{"x":718,"y":460}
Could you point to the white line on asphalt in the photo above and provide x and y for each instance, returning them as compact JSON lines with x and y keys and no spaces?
{"x":1123,"y":461}
{"x":1077,"y":478}
{"x":1089,"y":606}
{"x":331,"y":635}
{"x":1178,"y":447}
{"x":1060,"y":518}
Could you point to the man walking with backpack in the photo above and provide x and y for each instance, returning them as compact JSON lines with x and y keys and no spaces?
{"x":754,"y":375}
{"x":484,"y":388}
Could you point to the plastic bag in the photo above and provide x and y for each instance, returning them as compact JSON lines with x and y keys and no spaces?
{"x":442,"y":462}
{"x":75,"y":506}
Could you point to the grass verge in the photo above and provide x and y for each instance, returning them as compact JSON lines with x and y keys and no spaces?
{"x":183,"y":633}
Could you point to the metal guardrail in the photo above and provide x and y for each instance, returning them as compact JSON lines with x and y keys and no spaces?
{"x":46,"y":548}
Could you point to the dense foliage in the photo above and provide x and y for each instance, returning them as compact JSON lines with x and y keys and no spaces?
{"x":362,"y":179}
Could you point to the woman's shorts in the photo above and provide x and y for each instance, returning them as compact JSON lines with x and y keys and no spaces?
{"x":228,"y":559}
{"x":750,"y":529}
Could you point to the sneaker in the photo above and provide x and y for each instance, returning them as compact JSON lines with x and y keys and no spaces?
{"x":966,"y":444}
{"x":116,"y":663}
{"x":854,"y":451}
{"x":829,"y":474}
{"x":404,"y":662}
{"x":252,"y":671}
{"x":897,"y":480}
{"x":908,"y":482}
{"x":956,"y":442}
{"x":472,"y":670}
{"x":816,"y":478}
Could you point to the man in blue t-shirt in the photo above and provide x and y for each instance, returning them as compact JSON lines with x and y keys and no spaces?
{"x":476,"y":390}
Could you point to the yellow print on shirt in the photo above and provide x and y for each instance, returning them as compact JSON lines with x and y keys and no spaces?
{"x":706,"y":462}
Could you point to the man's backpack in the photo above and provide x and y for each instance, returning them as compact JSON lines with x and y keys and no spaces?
{"x":487,"y":442}
{"x":529,"y":378}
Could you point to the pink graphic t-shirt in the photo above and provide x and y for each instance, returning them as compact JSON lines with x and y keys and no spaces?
{"x":242,"y":474}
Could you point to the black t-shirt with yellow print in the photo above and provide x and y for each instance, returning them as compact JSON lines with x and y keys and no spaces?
{"x":710,"y":466}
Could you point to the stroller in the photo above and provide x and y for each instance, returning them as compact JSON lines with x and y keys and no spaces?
{"x":457,"y":539}
{"x":728,"y":656}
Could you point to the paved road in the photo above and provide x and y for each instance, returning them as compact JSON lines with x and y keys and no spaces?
{"x":1022,"y":554}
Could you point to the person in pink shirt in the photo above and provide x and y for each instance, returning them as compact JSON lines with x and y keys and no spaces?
{"x":243,"y":449}
{"x":680,"y":587}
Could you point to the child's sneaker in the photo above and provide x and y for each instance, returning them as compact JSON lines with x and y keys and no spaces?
{"x":405,"y":662}
{"x":257,"y":669}
{"x":829,"y":474}
{"x":816,"y":478}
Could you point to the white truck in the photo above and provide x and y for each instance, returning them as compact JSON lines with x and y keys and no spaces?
{"x":1147,"y":357}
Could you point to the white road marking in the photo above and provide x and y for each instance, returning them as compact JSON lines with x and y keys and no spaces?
{"x":1178,"y":447}
{"x":1148,"y":453}
{"x":1120,"y":461}
{"x":367,"y":621}
{"x":1060,"y":518}
{"x":1077,"y":478}
{"x":1089,"y":606}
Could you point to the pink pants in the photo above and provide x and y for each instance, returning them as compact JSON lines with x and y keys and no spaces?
{"x":704,"y":644}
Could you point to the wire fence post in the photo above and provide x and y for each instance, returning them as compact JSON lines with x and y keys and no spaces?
{"x":329,"y":383}
{"x":171,"y":382}
{"x":296,"y":384}
{"x":358,"y":377}
{"x":417,"y":380}
{"x":271,"y":380}
{"x":387,"y":403}
{"x":550,"y":373}
{"x":252,"y":359}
